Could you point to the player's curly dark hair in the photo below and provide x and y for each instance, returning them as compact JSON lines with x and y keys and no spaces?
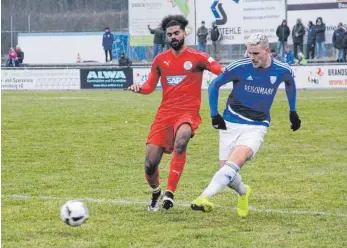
{"x":174,"y":20}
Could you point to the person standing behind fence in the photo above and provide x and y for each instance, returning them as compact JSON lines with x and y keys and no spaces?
{"x":311,"y":40}
{"x":298,"y":33}
{"x":320,"y":38}
{"x":158,"y":40}
{"x":107,"y":42}
{"x":338,"y":36}
{"x":282,"y":32}
{"x":345,"y":47}
{"x":202,"y":37}
{"x":216,"y":36}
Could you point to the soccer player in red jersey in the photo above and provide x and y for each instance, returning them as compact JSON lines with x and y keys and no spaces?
{"x":180,"y":70}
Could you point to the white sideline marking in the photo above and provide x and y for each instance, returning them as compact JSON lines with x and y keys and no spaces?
{"x":128,"y":202}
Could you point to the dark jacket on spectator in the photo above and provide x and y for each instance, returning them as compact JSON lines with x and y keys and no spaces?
{"x":202,"y":34}
{"x":20,"y":55}
{"x":298,"y":29}
{"x":338,"y":37}
{"x":158,"y":38}
{"x":345,"y":41}
{"x":320,"y":30}
{"x":107,"y":40}
{"x":215,"y":33}
{"x":283,"y":31}
{"x":311,"y":35}
{"x":124,"y":60}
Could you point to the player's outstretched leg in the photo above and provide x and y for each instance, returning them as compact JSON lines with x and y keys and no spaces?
{"x":202,"y":203}
{"x":176,"y":168}
{"x":153,"y":156}
{"x":183,"y":134}
{"x":222,"y":178}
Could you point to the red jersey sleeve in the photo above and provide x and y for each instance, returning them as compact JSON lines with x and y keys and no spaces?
{"x":153,"y":78}
{"x":211,"y":65}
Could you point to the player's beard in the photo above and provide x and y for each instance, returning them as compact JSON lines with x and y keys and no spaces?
{"x":176,"y":44}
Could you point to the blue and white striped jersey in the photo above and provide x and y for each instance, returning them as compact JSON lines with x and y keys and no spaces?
{"x":253,"y":92}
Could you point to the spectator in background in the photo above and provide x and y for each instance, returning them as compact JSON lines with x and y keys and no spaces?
{"x":311,"y":40}
{"x":345,"y":47}
{"x":282,"y":32}
{"x":124,"y":60}
{"x":107,"y":42}
{"x":288,"y":56}
{"x":301,"y":59}
{"x":338,"y":37}
{"x":216,"y":36}
{"x":275,"y":55}
{"x":320,"y":38}
{"x":20,"y":56}
{"x":298,"y":33}
{"x":202,"y":37}
{"x":11,"y":57}
{"x":158,"y":40}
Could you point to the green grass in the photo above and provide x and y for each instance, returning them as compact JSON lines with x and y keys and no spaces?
{"x":91,"y":144}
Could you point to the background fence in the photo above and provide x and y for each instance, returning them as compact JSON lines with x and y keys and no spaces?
{"x":26,"y":16}
{"x":23,"y":16}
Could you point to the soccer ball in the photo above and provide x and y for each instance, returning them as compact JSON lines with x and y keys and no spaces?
{"x":74,"y":213}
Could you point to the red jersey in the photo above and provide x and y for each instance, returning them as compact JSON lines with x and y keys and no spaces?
{"x":181,"y":78}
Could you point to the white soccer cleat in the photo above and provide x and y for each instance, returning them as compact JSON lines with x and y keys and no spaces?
{"x":154,"y":203}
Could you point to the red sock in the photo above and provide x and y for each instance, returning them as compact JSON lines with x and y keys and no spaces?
{"x":176,"y":168}
{"x":153,"y":180}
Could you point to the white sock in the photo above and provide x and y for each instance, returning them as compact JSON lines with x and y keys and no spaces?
{"x":156,"y":190}
{"x":238,"y":185}
{"x":221,"y":179}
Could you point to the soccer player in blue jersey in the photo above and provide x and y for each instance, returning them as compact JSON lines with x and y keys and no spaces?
{"x":246,"y":117}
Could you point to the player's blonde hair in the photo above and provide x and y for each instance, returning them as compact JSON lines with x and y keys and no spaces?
{"x":258,"y":39}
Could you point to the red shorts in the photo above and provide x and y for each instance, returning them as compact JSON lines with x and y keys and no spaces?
{"x":163,"y":130}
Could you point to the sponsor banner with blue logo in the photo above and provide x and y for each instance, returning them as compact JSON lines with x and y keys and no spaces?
{"x":118,"y":78}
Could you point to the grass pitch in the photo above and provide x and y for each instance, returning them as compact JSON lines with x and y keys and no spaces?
{"x":91,"y":144}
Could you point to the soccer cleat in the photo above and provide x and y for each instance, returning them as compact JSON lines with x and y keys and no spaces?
{"x":202,"y":203}
{"x":242,"y":203}
{"x":154,"y":203}
{"x":168,"y":200}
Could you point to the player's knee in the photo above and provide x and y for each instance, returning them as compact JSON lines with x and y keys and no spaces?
{"x":151,"y":166}
{"x":180,"y":145}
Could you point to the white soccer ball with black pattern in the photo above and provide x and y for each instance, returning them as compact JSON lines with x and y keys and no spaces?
{"x":74,"y":213}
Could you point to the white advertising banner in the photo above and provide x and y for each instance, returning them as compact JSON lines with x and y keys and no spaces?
{"x":320,"y":77}
{"x":140,"y":76}
{"x":238,"y":19}
{"x":151,"y":12}
{"x":40,"y":79}
{"x":306,"y":77}
{"x":66,"y":47}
